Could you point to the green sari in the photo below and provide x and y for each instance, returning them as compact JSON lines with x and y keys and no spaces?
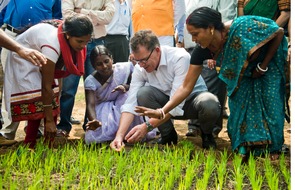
{"x":266,"y":8}
{"x":256,"y":105}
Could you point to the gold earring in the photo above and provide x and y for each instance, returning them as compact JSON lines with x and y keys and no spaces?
{"x":68,"y":37}
{"x":212,"y":32}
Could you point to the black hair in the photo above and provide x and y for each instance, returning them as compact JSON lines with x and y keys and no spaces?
{"x":99,"y":50}
{"x":205,"y":17}
{"x":78,"y":25}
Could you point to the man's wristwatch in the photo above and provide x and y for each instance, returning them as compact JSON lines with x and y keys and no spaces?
{"x":149,"y":126}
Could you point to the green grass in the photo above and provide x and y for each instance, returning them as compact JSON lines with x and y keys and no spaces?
{"x":78,"y":166}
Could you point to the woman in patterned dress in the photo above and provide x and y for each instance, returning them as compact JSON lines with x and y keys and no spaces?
{"x":250,"y":53}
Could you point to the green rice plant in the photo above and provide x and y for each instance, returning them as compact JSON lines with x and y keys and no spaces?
{"x":64,"y":159}
{"x":286,"y":173}
{"x":49,"y":166}
{"x":22,"y":159}
{"x":270,"y":174}
{"x":121,"y":165}
{"x":147,"y":176}
{"x":255,"y":178}
{"x":221,"y":171}
{"x":8,"y":160}
{"x":79,"y":166}
{"x":209,"y":167}
{"x":13,"y":185}
{"x":176,"y":173}
{"x":238,"y":172}
{"x":176,"y":158}
{"x":37,"y":181}
{"x":187,"y":180}
{"x":1,"y":182}
{"x":107,"y":161}
{"x":199,"y":158}
{"x":70,"y":178}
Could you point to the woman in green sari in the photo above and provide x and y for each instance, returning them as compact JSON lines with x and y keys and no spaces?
{"x":277,"y":10}
{"x":251,"y":52}
{"x":253,"y":63}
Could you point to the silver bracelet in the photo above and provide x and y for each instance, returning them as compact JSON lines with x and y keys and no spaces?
{"x":262,"y":70}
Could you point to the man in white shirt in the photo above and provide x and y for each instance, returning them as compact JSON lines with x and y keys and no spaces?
{"x":160,"y":70}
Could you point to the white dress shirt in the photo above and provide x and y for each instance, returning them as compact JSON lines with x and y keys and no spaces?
{"x":170,"y":74}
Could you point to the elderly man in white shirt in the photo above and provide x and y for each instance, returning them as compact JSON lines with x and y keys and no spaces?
{"x":160,"y":70}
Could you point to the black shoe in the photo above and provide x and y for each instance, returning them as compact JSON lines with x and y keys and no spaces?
{"x":169,"y":139}
{"x":75,"y":121}
{"x":193,"y":132}
{"x":208,"y":141}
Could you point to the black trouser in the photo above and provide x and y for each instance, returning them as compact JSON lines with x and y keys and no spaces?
{"x":119,"y":47}
{"x":203,"y":106}
{"x":217,"y":87}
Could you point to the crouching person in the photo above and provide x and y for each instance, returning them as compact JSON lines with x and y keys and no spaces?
{"x":159,"y":72}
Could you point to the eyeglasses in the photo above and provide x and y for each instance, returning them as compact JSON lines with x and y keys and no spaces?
{"x":145,"y":60}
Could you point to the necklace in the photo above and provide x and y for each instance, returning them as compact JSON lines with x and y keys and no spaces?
{"x":220,"y":49}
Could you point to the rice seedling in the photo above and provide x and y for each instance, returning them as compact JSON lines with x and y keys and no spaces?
{"x":221,"y":171}
{"x":80,"y":166}
{"x":271,"y":175}
{"x":208,"y":169}
{"x":238,"y":172}
{"x":187,"y":180}
{"x":285,"y":171}
{"x":255,"y":178}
